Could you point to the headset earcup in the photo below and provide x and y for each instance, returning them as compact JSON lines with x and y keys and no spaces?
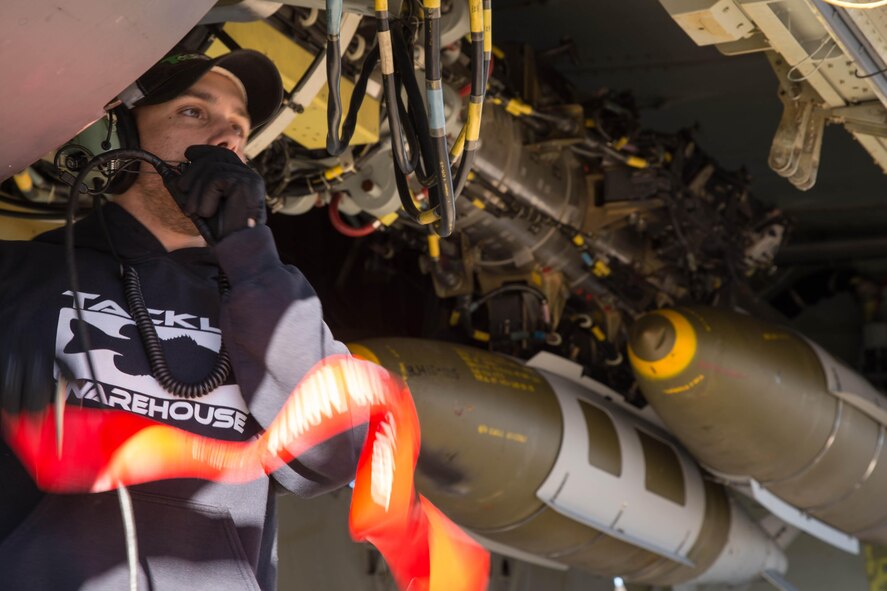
{"x":128,"y":137}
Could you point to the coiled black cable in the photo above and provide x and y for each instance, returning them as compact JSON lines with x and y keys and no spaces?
{"x":159,"y":368}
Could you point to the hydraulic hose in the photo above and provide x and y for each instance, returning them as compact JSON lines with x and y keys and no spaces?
{"x":417,"y":119}
{"x":405,"y":163}
{"x":446,"y":209}
{"x":417,"y":115}
{"x":418,"y":136}
{"x":343,"y":228}
{"x":336,"y":143}
{"x":471,"y":131}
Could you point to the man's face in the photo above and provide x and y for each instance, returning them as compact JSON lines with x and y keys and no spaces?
{"x":211,"y":112}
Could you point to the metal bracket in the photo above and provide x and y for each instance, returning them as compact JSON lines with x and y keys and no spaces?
{"x":802,"y":521}
{"x":866,"y":118}
{"x":797,"y":143}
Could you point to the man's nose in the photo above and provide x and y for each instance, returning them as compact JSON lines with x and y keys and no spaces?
{"x":227,"y":135}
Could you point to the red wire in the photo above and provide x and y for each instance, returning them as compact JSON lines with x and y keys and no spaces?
{"x":340,"y":225}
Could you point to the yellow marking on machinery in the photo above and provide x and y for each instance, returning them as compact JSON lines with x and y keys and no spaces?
{"x":498,"y":53}
{"x":381,"y":6}
{"x":431,"y":4}
{"x":428,"y":217}
{"x":776,"y":336}
{"x":23,"y":181}
{"x":536,"y":278}
{"x":333,"y":172}
{"x":389,"y":218}
{"x":518,"y":108}
{"x":15,"y":229}
{"x":476,"y":16}
{"x":598,"y":333}
{"x":483,"y":429}
{"x":478,"y":203}
{"x":688,"y":386}
{"x":363,"y":353}
{"x":578,"y":240}
{"x":637,"y":162}
{"x":502,"y":372}
{"x":876,"y":567}
{"x":434,"y":246}
{"x":600,"y":269}
{"x":459,"y":145}
{"x":404,"y":374}
{"x":620,"y":143}
{"x":474,"y":117}
{"x":479,"y":335}
{"x":678,"y":359}
{"x":22,"y":229}
{"x":309,"y":128}
{"x":455,"y":316}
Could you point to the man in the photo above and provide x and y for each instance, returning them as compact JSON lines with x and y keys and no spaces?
{"x":234,"y":294}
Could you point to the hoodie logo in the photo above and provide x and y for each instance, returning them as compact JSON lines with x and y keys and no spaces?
{"x":123,"y":376}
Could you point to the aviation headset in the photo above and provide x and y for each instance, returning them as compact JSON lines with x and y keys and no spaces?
{"x":255,"y":75}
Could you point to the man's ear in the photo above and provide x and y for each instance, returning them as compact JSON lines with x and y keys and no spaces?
{"x":128,"y":138}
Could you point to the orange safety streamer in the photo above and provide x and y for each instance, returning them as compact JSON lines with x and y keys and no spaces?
{"x":103,"y":449}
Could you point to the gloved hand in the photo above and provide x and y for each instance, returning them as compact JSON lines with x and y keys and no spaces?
{"x":220,"y":190}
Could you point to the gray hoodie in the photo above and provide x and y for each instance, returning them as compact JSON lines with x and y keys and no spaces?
{"x":191,"y":534}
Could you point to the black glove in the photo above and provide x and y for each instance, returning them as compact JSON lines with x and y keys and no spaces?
{"x":220,"y":190}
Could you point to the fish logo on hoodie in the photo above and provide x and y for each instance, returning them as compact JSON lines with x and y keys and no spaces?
{"x":123,"y":377}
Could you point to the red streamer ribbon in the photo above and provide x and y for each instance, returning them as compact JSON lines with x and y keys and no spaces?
{"x":103,"y":449}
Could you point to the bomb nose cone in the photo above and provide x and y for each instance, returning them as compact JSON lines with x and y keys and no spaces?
{"x":652,"y":337}
{"x":661,"y":345}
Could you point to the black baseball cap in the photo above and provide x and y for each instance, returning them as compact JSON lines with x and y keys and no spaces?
{"x":178,"y":71}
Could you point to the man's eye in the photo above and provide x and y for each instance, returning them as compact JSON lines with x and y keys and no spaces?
{"x":241,"y":131}
{"x":191,"y":112}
